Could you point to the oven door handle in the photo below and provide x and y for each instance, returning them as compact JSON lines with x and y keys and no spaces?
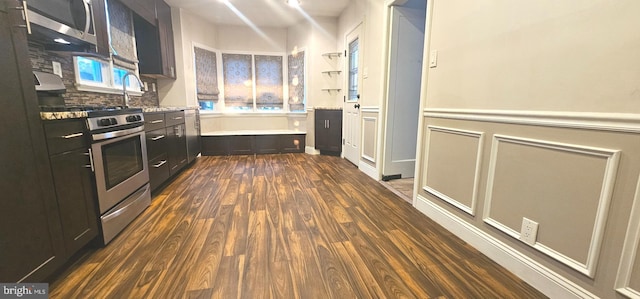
{"x":121,"y":210}
{"x":110,"y":135}
{"x":91,"y":165}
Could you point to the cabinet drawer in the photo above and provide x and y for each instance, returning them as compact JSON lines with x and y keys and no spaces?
{"x":174,"y":118}
{"x":156,"y":143}
{"x":158,"y":171}
{"x":66,"y":135}
{"x":154,"y":121}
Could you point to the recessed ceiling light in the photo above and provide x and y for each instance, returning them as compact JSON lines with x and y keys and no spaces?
{"x":293,"y":3}
{"x":62,"y":41}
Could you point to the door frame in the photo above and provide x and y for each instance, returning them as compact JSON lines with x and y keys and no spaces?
{"x":384,"y":90}
{"x":387,"y":170}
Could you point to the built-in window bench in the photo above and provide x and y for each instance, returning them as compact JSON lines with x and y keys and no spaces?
{"x":249,"y":142}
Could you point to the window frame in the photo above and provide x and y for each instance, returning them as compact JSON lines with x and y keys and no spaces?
{"x":108,"y":78}
{"x":221,"y":108}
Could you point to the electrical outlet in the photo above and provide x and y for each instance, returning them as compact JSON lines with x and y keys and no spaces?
{"x":529,"y":231}
{"x":57,"y":68}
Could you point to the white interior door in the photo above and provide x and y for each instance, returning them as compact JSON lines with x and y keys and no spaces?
{"x":403,"y":101}
{"x":351,"y":108}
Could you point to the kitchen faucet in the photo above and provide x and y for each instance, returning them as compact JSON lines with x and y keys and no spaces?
{"x":124,"y":87}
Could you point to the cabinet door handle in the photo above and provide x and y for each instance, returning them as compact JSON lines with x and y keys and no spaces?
{"x":157,"y":138}
{"x":177,"y":118}
{"x":328,"y":124}
{"x":157,"y":121}
{"x":72,"y":135}
{"x":163,"y":162}
{"x":25,"y":15}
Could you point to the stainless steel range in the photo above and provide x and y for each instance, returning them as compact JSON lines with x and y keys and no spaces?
{"x":119,"y":154}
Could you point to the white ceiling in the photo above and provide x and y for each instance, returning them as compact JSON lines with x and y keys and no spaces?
{"x":262,"y":13}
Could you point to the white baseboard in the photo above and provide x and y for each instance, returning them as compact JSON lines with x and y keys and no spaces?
{"x":311,"y":150}
{"x":537,"y":275}
{"x":369,"y":170}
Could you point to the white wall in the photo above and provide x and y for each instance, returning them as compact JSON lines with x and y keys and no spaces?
{"x":244,"y":38}
{"x":532,"y":111}
{"x":187,"y":30}
{"x":316,"y":39}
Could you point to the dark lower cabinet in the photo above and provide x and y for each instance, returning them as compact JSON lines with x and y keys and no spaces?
{"x":157,"y":156}
{"x":72,"y":169}
{"x":253,"y":144}
{"x":31,"y":243}
{"x":177,"y":149}
{"x":75,"y":191}
{"x":166,"y":145}
{"x":328,"y":130}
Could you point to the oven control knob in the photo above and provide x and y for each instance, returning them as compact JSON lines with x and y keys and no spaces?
{"x":104,"y":122}
{"x":113,"y":121}
{"x":131,"y":118}
{"x":138,"y":117}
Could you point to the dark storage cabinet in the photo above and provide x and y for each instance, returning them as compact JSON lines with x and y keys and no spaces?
{"x":73,"y":179}
{"x":253,"y":144}
{"x":166,"y":145}
{"x":154,"y":38}
{"x":328,"y":130}
{"x":31,"y":243}
{"x":157,"y":155}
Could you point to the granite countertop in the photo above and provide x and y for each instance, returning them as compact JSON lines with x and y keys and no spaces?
{"x":83,"y":114}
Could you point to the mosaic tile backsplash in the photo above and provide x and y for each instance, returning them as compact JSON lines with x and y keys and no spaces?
{"x":41,"y":61}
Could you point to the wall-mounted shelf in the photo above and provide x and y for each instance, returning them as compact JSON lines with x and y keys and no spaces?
{"x":332,"y":73}
{"x":329,"y":90}
{"x":332,"y":55}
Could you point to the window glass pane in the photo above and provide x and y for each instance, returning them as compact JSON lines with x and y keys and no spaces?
{"x":296,"y":81}
{"x":118,"y":73}
{"x":238,"y":83}
{"x":207,"y":105}
{"x":353,"y":70}
{"x":269,"y":88}
{"x":90,"y":70}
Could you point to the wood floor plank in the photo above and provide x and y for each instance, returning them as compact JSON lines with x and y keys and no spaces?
{"x":284,"y":226}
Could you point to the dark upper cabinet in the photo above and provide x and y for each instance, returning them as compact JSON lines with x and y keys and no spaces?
{"x":102,"y":33}
{"x":328,"y":130}
{"x":31,"y":246}
{"x":154,"y":42}
{"x":73,"y":180}
{"x":165,"y":29}
{"x":143,"y":8}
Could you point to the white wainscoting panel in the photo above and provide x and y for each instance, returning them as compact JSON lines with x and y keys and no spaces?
{"x":613,"y":122}
{"x":369,"y":138}
{"x":551,"y":283}
{"x":550,"y":182}
{"x":453,"y":165}
{"x":630,"y":253}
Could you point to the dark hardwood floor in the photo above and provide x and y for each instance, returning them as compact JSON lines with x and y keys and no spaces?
{"x":284,"y":226}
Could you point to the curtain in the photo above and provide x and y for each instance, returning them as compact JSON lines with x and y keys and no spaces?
{"x":269,"y":90}
{"x":238,"y":85}
{"x":206,"y":75}
{"x":121,"y":35}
